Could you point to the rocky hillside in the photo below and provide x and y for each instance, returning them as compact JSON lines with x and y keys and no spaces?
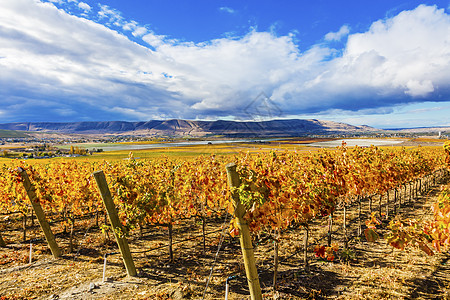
{"x":176,"y":127}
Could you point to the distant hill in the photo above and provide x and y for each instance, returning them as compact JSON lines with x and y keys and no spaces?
{"x":177,"y":127}
{"x":12,"y":134}
{"x":423,"y":129}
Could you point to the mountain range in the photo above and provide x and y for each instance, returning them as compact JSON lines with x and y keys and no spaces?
{"x":177,"y":127}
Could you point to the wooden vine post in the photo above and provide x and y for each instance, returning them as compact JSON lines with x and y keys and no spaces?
{"x":2,"y":242}
{"x":398,"y":198}
{"x":115,"y":223}
{"x":32,"y":219}
{"x":344,"y":227}
{"x":405,"y":194}
{"x":305,"y":247}
{"x":359,"y":216}
{"x":170,"y":229}
{"x":244,"y":234}
{"x":204,"y":235}
{"x":330,"y":229}
{"x":416,"y":190}
{"x":420,"y":186}
{"x":40,"y":214}
{"x":395,"y":201}
{"x":380,"y":206}
{"x":275,"y":258}
{"x":410,"y":191}
{"x":24,"y":226}
{"x":429,"y":182}
{"x":387,"y":204}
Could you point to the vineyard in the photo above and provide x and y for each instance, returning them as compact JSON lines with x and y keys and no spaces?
{"x":370,"y":212}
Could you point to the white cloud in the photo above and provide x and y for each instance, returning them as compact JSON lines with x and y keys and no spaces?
{"x":84,"y":6}
{"x":337,"y":36}
{"x":129,"y":25}
{"x":139,"y":31}
{"x":108,"y":13}
{"x":395,"y":61}
{"x":153,"y":39}
{"x":65,"y":112}
{"x":53,"y":59}
{"x":72,"y":60}
{"x":227,"y":9}
{"x":131,"y":113}
{"x":419,"y":88}
{"x":429,"y":109}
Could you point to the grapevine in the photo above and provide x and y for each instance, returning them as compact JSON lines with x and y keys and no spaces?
{"x":279,"y":189}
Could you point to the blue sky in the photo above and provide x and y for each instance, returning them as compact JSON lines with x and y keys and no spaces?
{"x":381,"y":63}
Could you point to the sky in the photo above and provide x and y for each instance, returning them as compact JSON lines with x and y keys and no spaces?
{"x":380,"y":63}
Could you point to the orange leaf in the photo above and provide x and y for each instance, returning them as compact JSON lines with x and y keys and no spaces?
{"x":371,"y":235}
{"x":426,"y":249}
{"x":398,"y":243}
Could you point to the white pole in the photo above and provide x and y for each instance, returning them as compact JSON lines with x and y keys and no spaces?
{"x":227,"y":285}
{"x":226,"y":290}
{"x":104,"y":268}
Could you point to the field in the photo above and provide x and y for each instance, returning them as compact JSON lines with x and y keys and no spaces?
{"x":358,"y":269}
{"x":12,"y":134}
{"x":188,"y":151}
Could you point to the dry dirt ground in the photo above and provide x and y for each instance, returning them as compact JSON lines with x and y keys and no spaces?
{"x":363,"y":271}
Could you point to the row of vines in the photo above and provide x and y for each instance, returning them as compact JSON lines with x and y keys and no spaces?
{"x":278,"y":189}
{"x":430,"y":234}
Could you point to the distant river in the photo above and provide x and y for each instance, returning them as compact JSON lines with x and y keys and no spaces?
{"x":355,"y":142}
